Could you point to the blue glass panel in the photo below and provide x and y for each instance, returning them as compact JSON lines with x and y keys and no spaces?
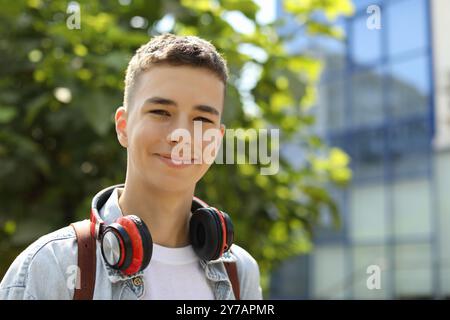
{"x":325,"y":231}
{"x":332,"y":53}
{"x":409,"y":87}
{"x":367,"y":97}
{"x":361,"y":5}
{"x":406,"y":25}
{"x":409,"y":146}
{"x":291,"y":279}
{"x":365,"y":42}
{"x":331,"y":99}
{"x":367,"y":152}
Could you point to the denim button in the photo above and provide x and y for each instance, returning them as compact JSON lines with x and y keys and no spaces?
{"x":137,"y":282}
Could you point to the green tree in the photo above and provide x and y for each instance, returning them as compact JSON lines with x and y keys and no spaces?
{"x":60,"y":85}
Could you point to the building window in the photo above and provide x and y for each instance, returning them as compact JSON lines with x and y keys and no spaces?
{"x":382,"y":99}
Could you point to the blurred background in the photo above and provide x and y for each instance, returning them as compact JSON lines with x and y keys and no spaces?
{"x":359,"y":90}
{"x":384,"y":99}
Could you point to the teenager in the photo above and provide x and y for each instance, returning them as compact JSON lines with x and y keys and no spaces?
{"x":152,"y":239}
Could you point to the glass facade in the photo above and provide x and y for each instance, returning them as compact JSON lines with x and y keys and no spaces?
{"x":376,"y":103}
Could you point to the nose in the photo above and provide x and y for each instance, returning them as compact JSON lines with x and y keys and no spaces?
{"x":180,"y":132}
{"x":185,"y":137}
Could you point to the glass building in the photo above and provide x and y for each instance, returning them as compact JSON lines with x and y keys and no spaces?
{"x":384,"y":98}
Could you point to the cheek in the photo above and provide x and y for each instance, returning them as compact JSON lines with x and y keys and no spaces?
{"x":210,"y":148}
{"x":199,"y":170}
{"x":146,"y":137}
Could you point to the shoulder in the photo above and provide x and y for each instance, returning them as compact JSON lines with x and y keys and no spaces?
{"x":40,"y":271}
{"x":245,"y":260}
{"x":248,"y":273}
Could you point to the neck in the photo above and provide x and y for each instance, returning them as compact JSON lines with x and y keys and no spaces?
{"x":165,"y":213}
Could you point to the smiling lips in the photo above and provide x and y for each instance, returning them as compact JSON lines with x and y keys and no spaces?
{"x":174,"y":162}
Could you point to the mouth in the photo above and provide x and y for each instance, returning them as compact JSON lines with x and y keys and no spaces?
{"x":175,"y":162}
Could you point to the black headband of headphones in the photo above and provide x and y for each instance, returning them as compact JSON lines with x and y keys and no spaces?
{"x":99,"y":200}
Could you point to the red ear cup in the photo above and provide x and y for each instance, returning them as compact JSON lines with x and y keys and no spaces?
{"x":127,"y":245}
{"x":229,"y":230}
{"x":147,"y":242}
{"x":137,"y":252}
{"x":222,"y":245}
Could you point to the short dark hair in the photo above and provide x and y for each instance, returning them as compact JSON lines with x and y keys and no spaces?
{"x":173,"y":50}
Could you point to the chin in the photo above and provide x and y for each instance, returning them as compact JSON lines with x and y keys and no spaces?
{"x":171,"y":183}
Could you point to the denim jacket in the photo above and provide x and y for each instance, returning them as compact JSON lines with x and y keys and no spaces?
{"x":47,"y":268}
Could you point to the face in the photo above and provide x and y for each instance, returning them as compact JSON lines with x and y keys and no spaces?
{"x":168,"y":102}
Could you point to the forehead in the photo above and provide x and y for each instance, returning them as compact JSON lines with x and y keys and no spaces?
{"x":183,"y":84}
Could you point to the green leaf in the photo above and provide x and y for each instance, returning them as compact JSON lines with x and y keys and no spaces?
{"x":10,"y":227}
{"x":98,"y":110}
{"x":7,"y":114}
{"x":35,"y":106}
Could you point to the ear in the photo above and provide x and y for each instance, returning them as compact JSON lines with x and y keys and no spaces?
{"x":121,"y":119}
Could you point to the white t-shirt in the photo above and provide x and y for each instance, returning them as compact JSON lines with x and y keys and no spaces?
{"x":173,"y":273}
{"x":176,"y":274}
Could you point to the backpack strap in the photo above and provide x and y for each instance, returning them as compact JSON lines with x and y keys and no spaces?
{"x":84,"y":289}
{"x":233,"y":276}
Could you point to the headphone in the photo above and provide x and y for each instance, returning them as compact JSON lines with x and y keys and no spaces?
{"x":127,"y":245}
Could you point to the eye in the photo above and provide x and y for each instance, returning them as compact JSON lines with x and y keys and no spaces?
{"x":160,"y":112}
{"x":204,"y":119}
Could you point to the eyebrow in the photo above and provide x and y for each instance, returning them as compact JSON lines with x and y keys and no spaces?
{"x":165,"y":101}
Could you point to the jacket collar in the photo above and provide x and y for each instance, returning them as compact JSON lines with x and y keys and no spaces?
{"x":111,"y":211}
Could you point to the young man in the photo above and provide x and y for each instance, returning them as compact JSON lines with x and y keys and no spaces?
{"x":172,"y":83}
